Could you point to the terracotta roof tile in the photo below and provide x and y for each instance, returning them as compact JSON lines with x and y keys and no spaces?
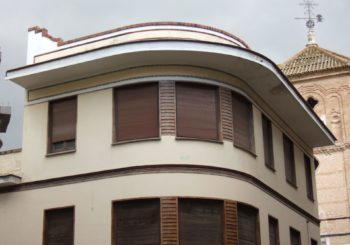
{"x":314,"y":59}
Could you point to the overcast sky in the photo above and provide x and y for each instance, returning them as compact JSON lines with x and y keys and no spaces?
{"x":268,"y":26}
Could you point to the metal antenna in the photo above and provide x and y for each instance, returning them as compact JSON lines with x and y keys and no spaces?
{"x":310,"y":19}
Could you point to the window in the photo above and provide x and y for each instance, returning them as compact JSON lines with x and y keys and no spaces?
{"x":273,"y":231}
{"x":313,"y":242}
{"x":294,"y":237}
{"x":312,"y":102}
{"x":268,"y":145}
{"x":308,"y":175}
{"x":62,"y":125}
{"x":136,"y":112}
{"x":59,"y":226}
{"x":289,"y":161}
{"x":242,"y":114}
{"x":248,"y":231}
{"x":197,"y":111}
{"x":200,"y":222}
{"x":136,"y":222}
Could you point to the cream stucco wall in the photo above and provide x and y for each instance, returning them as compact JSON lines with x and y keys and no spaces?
{"x":95,"y":152}
{"x":93,"y":206}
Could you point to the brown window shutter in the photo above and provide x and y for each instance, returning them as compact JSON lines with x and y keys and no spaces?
{"x":137,"y":222}
{"x":169,"y":221}
{"x":59,"y":227}
{"x":63,"y":120}
{"x":313,"y":242}
{"x":231,"y":225}
{"x":289,"y":160}
{"x":273,"y":231}
{"x":295,"y":238}
{"x":200,"y":222}
{"x":197,"y":111}
{"x":136,"y":115}
{"x":248,"y":232}
{"x":308,"y":176}
{"x":268,"y":145}
{"x":242,"y":114}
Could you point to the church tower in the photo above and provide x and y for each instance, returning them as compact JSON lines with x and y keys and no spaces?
{"x":323,"y":79}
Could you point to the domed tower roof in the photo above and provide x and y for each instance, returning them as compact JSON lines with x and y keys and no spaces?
{"x":313,"y":59}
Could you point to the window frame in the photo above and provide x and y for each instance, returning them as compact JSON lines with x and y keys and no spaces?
{"x":66,"y":148}
{"x":287,"y":142}
{"x":44,"y":239}
{"x":295,"y":231}
{"x":308,"y":178}
{"x":115,"y":140}
{"x":257,"y":221}
{"x":218,"y":138}
{"x":273,"y":219}
{"x":251,"y":149}
{"x":114,"y":214}
{"x":268,"y":142}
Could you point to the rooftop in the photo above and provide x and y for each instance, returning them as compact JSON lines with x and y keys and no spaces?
{"x":314,"y":59}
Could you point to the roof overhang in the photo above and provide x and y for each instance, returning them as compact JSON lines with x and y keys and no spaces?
{"x":261,"y":74}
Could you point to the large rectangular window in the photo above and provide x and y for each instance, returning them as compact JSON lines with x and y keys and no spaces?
{"x":295,"y":238}
{"x":242,"y":114}
{"x":62,"y":125}
{"x":197,"y":113}
{"x":308,"y":176}
{"x":248,"y":230}
{"x":136,"y":222}
{"x":136,"y":112}
{"x":200,"y":222}
{"x":59,"y":226}
{"x":289,"y":162}
{"x":273,"y":231}
{"x":268,"y":143}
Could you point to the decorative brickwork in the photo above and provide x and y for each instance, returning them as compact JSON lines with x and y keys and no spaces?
{"x":167,"y":108}
{"x":169,"y":221}
{"x":226,"y":113}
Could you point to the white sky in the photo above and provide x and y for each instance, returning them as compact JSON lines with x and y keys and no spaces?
{"x":268,"y":26}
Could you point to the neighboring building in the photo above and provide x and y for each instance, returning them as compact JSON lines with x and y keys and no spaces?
{"x":323,"y":78}
{"x":160,"y":133}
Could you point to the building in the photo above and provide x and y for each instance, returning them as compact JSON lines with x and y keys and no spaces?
{"x":323,"y":78}
{"x":160,"y":133}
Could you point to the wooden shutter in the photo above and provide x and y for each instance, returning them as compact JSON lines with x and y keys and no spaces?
{"x":200,"y":222}
{"x":63,"y":120}
{"x":197,"y":111}
{"x":273,"y":231}
{"x":247,"y":225}
{"x":289,"y":160}
{"x":137,"y":222}
{"x":59,"y":227}
{"x":242,"y":122}
{"x":294,"y":237}
{"x":4,"y":121}
{"x":308,"y":176}
{"x":268,"y":145}
{"x":313,"y":242}
{"x":136,"y":112}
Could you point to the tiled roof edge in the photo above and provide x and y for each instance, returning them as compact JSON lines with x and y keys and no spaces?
{"x":45,"y":33}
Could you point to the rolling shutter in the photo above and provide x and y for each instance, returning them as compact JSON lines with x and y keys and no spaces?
{"x":63,"y":120}
{"x":200,"y":222}
{"x":59,"y":227}
{"x":247,"y":225}
{"x":289,"y":160}
{"x":268,"y":146}
{"x":197,"y":111}
{"x":137,"y":222}
{"x":273,"y":231}
{"x":137,"y":112}
{"x":308,"y":176}
{"x":294,"y":237}
{"x":242,"y":122}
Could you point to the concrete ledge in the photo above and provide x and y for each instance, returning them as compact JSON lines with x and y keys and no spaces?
{"x":9,"y":180}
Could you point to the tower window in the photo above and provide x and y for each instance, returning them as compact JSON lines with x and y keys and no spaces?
{"x":312,"y":102}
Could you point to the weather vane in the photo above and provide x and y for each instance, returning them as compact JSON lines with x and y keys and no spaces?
{"x":311,"y":19}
